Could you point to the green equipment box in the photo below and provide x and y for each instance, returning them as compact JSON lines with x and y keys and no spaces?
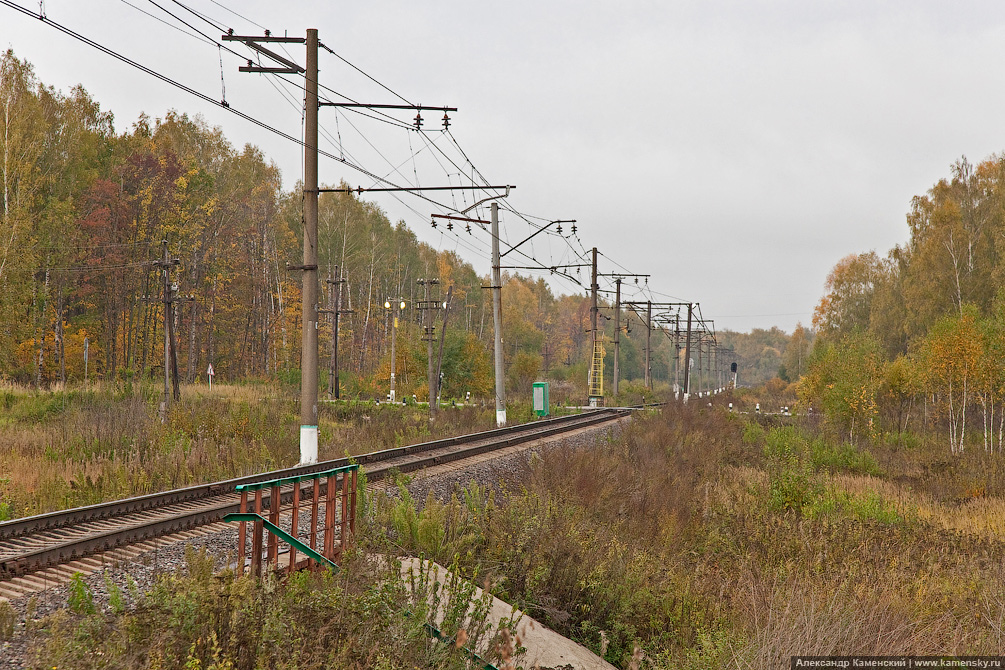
{"x":541,"y":399}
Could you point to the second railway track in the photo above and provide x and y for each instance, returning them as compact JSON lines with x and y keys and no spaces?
{"x":49,"y":541}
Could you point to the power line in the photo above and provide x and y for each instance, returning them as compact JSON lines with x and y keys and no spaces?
{"x":168,"y":24}
{"x":228,"y":9}
{"x":383,"y":86}
{"x":198,"y":94}
{"x":215,"y":25}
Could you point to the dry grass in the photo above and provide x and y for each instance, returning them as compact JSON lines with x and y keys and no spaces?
{"x":668,"y":538}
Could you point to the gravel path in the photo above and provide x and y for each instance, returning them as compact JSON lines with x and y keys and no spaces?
{"x":136,"y":576}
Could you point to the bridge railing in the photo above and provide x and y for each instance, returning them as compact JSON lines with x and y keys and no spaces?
{"x":329,"y":497}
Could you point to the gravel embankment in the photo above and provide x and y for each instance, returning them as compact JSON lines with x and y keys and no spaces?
{"x":138,"y":575}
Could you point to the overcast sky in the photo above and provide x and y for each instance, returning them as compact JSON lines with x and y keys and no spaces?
{"x":733,"y":150}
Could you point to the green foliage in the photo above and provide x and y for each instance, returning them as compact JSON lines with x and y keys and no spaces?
{"x":80,"y":599}
{"x":867,"y":507}
{"x":844,"y":380}
{"x":793,"y":481}
{"x":753,"y":433}
{"x":842,"y":457}
{"x":440,"y":531}
{"x":116,"y":599}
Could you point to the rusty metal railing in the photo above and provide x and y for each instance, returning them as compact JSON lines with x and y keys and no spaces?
{"x":339,"y":509}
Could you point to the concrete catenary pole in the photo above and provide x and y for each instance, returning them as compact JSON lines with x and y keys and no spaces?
{"x":394,"y":336}
{"x":497,"y":320}
{"x":649,"y":338}
{"x":687,"y":353}
{"x":594,"y":287}
{"x":617,"y":331}
{"x":309,"y":348}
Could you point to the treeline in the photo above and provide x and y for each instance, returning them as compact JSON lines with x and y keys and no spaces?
{"x":85,"y":210}
{"x":919,"y":335}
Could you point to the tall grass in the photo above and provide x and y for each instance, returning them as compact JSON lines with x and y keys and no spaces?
{"x":673,"y":537}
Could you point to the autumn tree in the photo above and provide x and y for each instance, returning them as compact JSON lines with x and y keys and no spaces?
{"x":848,"y":302}
{"x":952,"y":354}
{"x":843,"y":379}
{"x":797,"y":352}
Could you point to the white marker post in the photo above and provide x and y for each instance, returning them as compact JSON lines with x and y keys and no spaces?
{"x":209,"y":371}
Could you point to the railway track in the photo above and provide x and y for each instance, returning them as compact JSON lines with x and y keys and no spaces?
{"x":39,"y":551}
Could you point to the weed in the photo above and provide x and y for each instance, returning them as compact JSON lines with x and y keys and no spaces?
{"x":116,"y":599}
{"x":80,"y":599}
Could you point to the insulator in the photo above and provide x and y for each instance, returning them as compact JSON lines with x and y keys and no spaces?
{"x":418,"y":120}
{"x":636,"y":281}
{"x":268,"y":33}
{"x":450,"y":225}
{"x":446,"y":121}
{"x":432,"y":223}
{"x":647,"y":281}
{"x":559,"y":229}
{"x":468,"y":226}
{"x":573,"y":229}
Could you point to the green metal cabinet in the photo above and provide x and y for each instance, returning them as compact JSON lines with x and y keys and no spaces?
{"x":541,"y":399}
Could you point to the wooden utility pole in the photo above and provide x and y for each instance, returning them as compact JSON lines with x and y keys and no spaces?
{"x":427,"y":307}
{"x":165,"y":264}
{"x":443,"y":336}
{"x":497,"y":320}
{"x":335,"y":309}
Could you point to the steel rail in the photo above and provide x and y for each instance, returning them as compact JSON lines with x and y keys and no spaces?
{"x":206,"y":504}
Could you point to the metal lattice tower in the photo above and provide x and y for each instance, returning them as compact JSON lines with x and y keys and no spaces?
{"x":596,"y":380}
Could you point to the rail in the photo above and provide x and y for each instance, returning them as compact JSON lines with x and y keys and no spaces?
{"x":35,"y":543}
{"x":62,"y":518}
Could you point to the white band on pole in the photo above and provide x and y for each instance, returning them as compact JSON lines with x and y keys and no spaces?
{"x":308,"y":444}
